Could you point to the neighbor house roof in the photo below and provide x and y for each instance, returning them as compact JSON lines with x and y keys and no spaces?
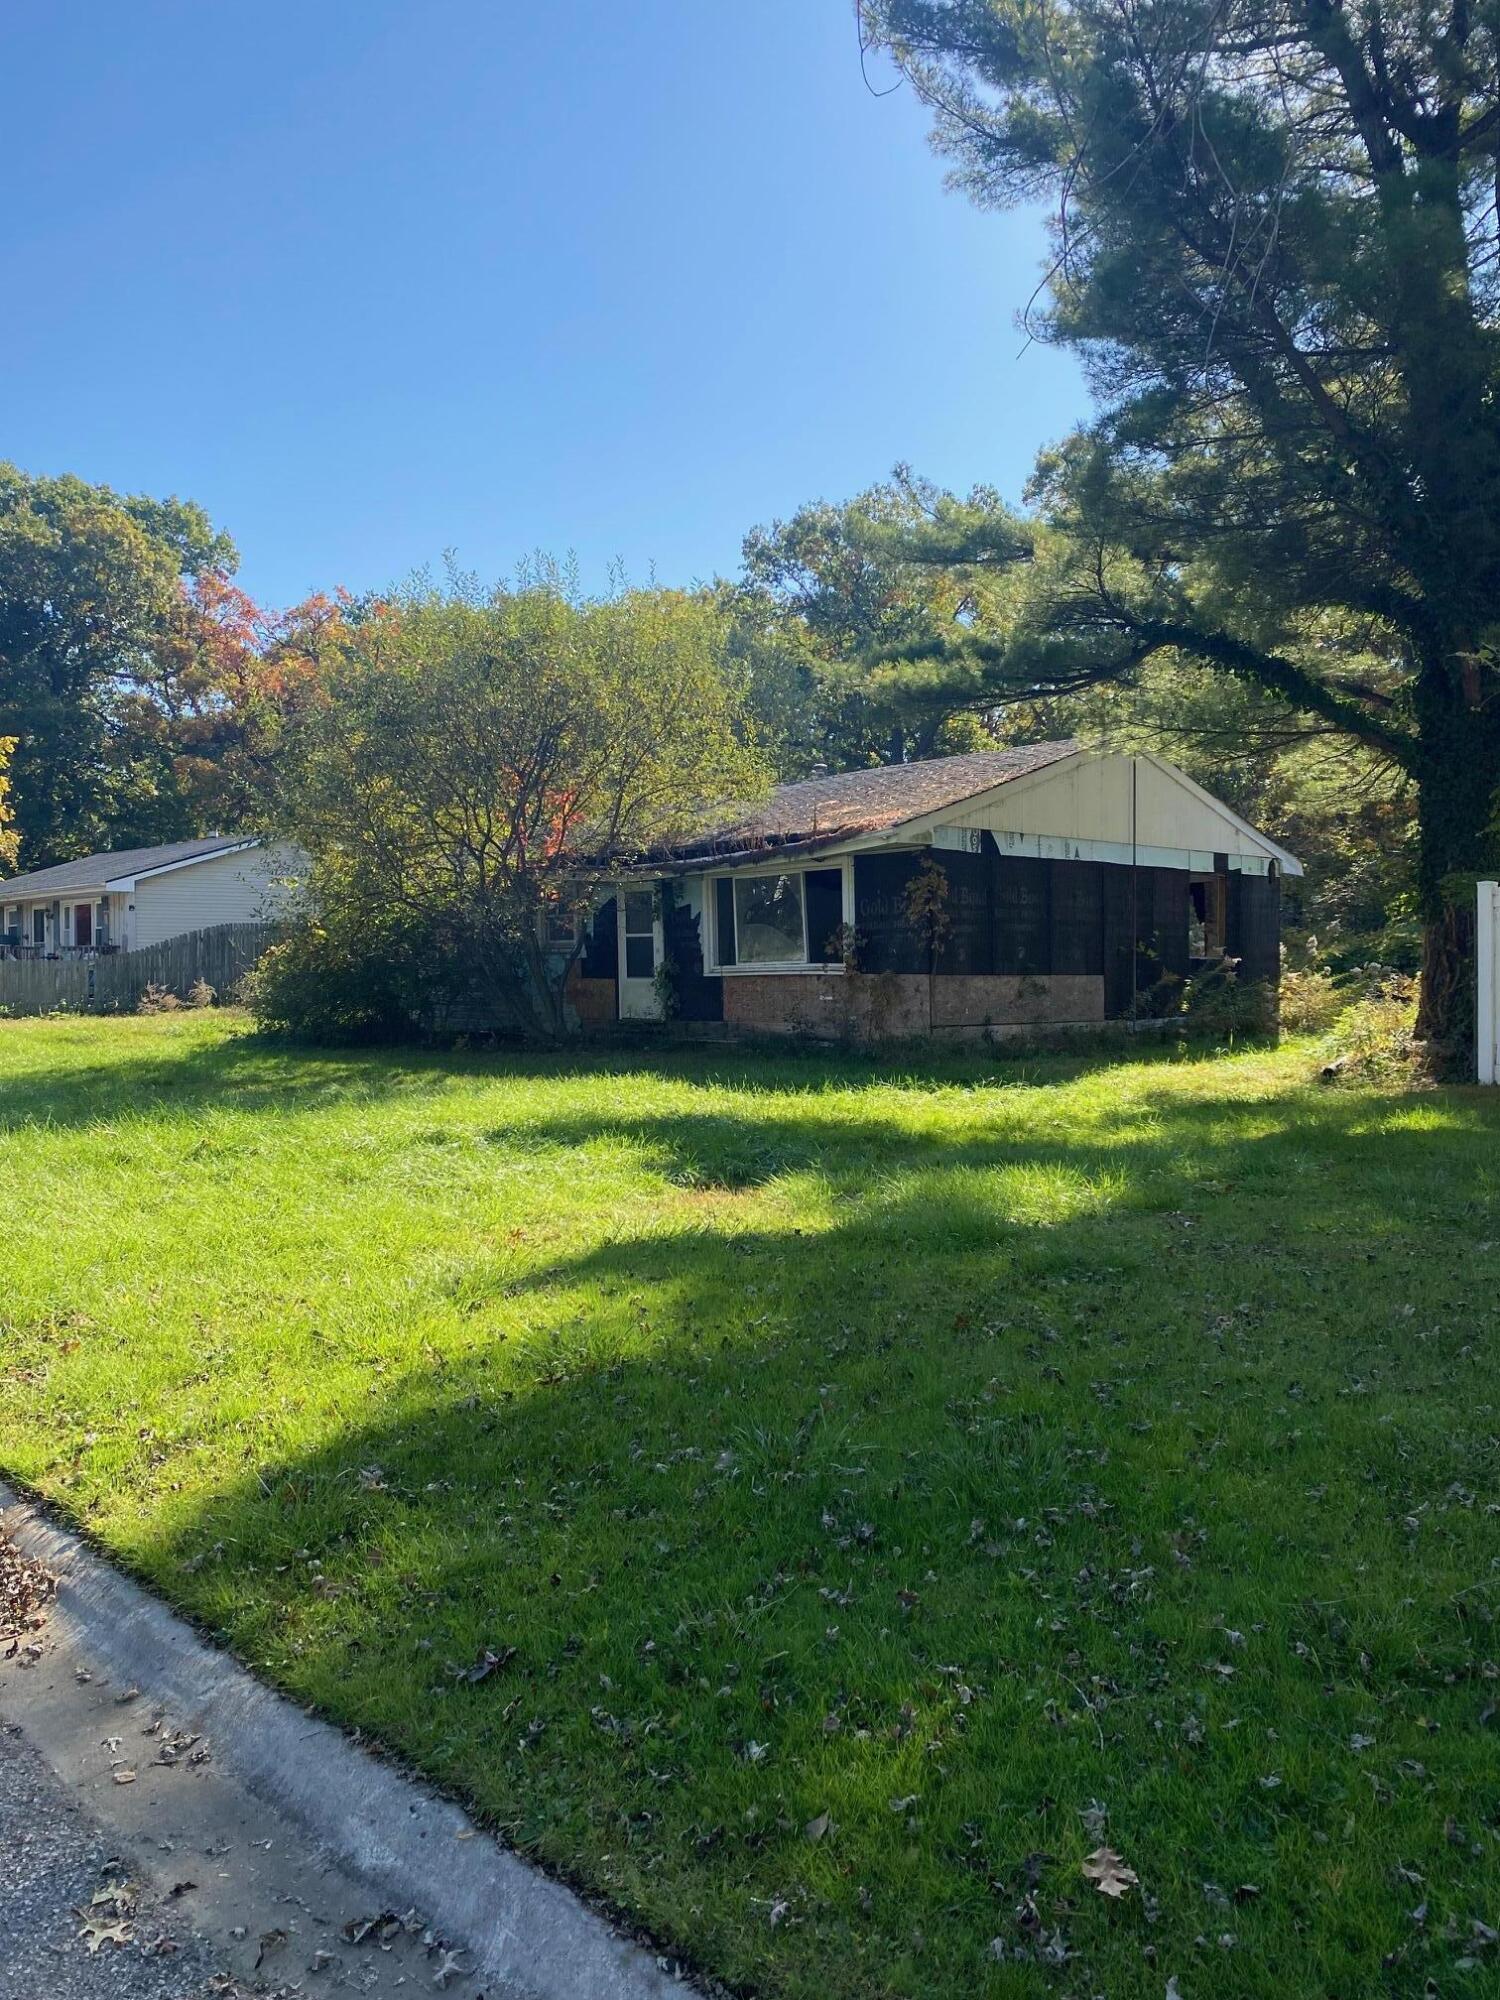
{"x":815,"y":810}
{"x":100,"y":871}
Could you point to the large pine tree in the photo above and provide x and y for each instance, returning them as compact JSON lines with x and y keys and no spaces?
{"x":1276,"y":244}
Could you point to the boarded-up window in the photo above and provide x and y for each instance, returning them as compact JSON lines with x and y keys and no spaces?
{"x":880,"y":885}
{"x":969,"y":946}
{"x":602,"y":945}
{"x":825,"y":913}
{"x":1077,"y":917}
{"x":1023,"y":922}
{"x":1255,"y":925}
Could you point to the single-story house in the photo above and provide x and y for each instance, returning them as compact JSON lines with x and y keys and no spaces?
{"x":1072,"y":883}
{"x":138,"y":896}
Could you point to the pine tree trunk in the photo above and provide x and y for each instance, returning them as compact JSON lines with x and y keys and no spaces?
{"x":1457,"y":803}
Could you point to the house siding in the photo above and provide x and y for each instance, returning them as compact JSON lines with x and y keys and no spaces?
{"x":228,"y":889}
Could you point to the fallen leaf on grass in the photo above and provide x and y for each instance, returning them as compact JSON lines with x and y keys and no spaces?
{"x":486,"y":1664}
{"x":1094,"y":1816}
{"x":1107,"y":1871}
{"x":816,"y":1828}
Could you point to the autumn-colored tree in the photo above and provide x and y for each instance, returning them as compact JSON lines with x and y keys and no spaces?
{"x":10,"y":840}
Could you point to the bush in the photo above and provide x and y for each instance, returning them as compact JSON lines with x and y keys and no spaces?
{"x":1311,"y":1001}
{"x":1373,"y":1039}
{"x":158,"y":1000}
{"x":1218,"y":1003}
{"x":315,"y":986}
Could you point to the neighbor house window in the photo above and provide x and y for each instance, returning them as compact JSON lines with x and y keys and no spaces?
{"x":562,"y":927}
{"x":789,"y":919}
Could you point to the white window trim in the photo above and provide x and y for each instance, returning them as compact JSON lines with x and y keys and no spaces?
{"x":774,"y":968}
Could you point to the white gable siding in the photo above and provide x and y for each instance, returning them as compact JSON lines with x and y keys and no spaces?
{"x":238,"y":888}
{"x":1090,"y":799}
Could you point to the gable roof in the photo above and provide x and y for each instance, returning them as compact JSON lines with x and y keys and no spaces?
{"x":814,"y":811}
{"x":96,"y":871}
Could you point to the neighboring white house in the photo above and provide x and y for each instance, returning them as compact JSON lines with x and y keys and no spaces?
{"x":144,"y":895}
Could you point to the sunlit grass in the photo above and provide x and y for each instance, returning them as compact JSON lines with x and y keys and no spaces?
{"x":951,"y":1449}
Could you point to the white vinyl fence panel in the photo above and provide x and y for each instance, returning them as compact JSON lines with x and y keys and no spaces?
{"x":1489,"y":982}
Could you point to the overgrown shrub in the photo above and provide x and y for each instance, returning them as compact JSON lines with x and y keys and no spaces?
{"x":1311,"y":1000}
{"x":317,"y":986}
{"x":1217,"y":1002}
{"x":1374,"y":1039}
{"x":158,"y":1000}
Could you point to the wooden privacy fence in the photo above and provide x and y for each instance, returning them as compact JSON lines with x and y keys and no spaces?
{"x":114,"y":983}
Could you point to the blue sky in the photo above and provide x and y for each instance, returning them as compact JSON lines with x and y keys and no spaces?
{"x":372,"y":279}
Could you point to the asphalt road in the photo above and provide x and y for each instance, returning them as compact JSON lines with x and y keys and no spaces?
{"x":54,"y":1862}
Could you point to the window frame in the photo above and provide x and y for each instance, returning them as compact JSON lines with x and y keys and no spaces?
{"x":713,"y":966}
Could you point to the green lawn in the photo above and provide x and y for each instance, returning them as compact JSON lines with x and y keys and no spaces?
{"x":882,"y":1477}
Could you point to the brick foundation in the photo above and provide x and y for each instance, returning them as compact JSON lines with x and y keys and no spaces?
{"x":879,"y":1006}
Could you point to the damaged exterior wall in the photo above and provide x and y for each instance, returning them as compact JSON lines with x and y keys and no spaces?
{"x":880,"y":1005}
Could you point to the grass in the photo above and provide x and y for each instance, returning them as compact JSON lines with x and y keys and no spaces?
{"x":883,"y":1480}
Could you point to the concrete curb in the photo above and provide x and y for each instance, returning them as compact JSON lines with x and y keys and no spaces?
{"x":531,"y":1938}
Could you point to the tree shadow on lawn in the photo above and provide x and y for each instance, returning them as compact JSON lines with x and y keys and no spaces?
{"x":945,"y":1522}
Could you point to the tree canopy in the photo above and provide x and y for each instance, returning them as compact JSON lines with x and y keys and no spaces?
{"x":1275,"y":242}
{"x":467,"y":765}
{"x":823,"y":595}
{"x":99,"y":597}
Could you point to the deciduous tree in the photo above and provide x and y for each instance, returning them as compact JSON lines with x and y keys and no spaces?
{"x":94,"y":598}
{"x":469,"y":762}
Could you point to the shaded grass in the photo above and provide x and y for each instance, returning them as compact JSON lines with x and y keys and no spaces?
{"x":951,"y":1453}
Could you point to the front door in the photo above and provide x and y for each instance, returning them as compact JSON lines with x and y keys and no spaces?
{"x":83,"y":926}
{"x":640,"y":954}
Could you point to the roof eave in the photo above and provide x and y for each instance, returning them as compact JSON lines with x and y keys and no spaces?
{"x":128,"y":882}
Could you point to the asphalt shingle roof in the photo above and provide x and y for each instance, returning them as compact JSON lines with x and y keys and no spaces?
{"x":92,"y":871}
{"x":815,"y":810}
